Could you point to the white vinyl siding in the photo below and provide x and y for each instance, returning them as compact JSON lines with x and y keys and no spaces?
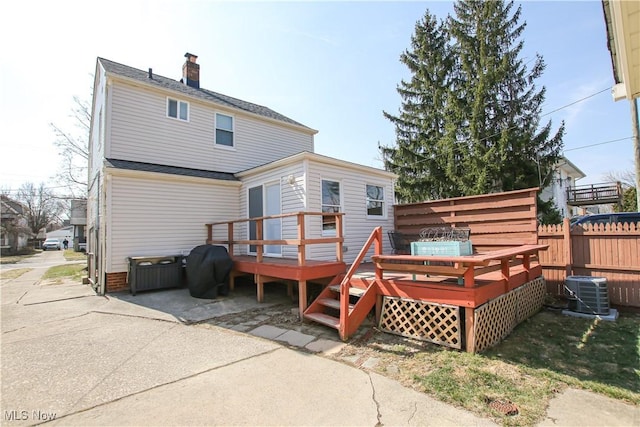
{"x":357,"y":226}
{"x":163,"y":217}
{"x":140,"y":132}
{"x":304,"y":194}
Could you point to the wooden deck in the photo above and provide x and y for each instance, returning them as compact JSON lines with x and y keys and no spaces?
{"x":466,"y":282}
{"x":267,"y":269}
{"x":488,"y":285}
{"x":285,"y":269}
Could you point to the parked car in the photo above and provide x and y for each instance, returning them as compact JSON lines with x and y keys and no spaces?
{"x":51,"y":244}
{"x":608,"y":218}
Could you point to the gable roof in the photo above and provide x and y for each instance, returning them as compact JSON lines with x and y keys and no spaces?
{"x":10,"y":206}
{"x":171,"y":170}
{"x":319,"y":158}
{"x":156,"y":80}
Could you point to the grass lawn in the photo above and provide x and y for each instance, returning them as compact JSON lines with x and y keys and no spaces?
{"x":12,"y":274}
{"x":12,"y":259}
{"x":71,"y":255}
{"x":59,"y":272}
{"x":541,"y":357}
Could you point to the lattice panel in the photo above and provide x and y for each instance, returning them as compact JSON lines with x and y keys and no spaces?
{"x":436,"y":323}
{"x":530,"y":298}
{"x":494,"y":321}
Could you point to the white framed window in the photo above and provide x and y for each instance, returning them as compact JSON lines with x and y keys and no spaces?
{"x":178,"y":109}
{"x":375,"y":201}
{"x":331,"y":202}
{"x":224,"y":130}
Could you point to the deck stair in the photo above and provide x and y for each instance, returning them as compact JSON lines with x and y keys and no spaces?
{"x":344,"y":303}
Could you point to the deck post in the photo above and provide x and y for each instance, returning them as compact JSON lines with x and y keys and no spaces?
{"x":302,"y":297}
{"x":260,"y":286}
{"x":378,"y":308}
{"x":259,"y":247}
{"x":469,"y":277}
{"x":504,"y":267}
{"x":209,"y":232}
{"x":302,"y":252}
{"x":526,"y":264}
{"x":339,"y":248}
{"x":230,"y":237}
{"x":377,"y":245}
{"x":469,"y":329}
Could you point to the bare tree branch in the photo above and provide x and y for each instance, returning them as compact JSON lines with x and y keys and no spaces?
{"x":73,"y":148}
{"x":41,"y":206}
{"x":627,"y":178}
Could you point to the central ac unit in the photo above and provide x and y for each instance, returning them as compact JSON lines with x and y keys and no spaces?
{"x":588,"y":295}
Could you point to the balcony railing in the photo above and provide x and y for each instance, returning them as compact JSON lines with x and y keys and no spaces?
{"x":595,"y":194}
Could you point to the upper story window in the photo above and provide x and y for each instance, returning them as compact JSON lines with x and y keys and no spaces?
{"x":224,"y":130}
{"x":330,"y":203}
{"x":178,"y":109}
{"x":375,"y":201}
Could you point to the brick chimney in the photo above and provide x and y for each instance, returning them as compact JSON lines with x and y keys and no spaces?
{"x":191,"y":71}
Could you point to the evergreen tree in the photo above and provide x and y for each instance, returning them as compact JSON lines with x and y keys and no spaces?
{"x":420,"y":124}
{"x":500,"y":101}
{"x":490,"y":137}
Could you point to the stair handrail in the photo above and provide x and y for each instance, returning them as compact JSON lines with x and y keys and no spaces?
{"x":345,"y":284}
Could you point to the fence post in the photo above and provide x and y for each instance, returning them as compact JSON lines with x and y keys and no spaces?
{"x":568,"y":255}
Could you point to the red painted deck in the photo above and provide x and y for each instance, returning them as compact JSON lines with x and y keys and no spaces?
{"x":285,"y":269}
{"x":288,"y":268}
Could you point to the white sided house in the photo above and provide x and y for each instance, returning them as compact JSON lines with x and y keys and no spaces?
{"x":565,"y":175}
{"x":168,"y":157}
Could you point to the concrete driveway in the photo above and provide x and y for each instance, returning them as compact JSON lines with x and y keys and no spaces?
{"x":70,"y":357}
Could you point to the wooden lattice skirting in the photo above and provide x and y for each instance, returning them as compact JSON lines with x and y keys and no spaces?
{"x":496,"y":319}
{"x":427,"y":321}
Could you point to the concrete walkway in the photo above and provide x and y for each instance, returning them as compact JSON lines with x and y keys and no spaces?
{"x":70,"y":357}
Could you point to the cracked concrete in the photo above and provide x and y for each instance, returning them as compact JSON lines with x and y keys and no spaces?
{"x":113,"y":361}
{"x":373,"y":397}
{"x":123,"y":360}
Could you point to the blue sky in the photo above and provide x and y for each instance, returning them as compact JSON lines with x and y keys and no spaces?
{"x":332,"y":66}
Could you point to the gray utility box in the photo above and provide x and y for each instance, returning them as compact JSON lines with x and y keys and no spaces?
{"x":588,"y":295}
{"x":154,"y":272}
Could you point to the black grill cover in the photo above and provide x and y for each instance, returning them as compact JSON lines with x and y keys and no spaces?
{"x":208,"y":268}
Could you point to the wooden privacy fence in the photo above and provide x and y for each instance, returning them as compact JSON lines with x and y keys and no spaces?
{"x":611,"y":251}
{"x":509,"y":219}
{"x":496,"y":220}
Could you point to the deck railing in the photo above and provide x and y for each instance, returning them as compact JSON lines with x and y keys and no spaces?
{"x":374,"y":239}
{"x":594,"y":194}
{"x":300,"y":241}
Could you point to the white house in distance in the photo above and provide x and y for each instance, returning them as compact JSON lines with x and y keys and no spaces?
{"x":168,"y":157}
{"x":565,"y":176}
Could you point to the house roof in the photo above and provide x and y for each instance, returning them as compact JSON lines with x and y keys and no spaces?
{"x":166,"y":83}
{"x":10,"y":207}
{"x":571,"y":169}
{"x":171,"y":170}
{"x":622,"y":20}
{"x":306,"y":155}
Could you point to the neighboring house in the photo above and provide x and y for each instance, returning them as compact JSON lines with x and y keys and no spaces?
{"x":565,"y":175}
{"x":14,"y":229}
{"x":62,"y":233}
{"x":167,"y":157}
{"x":78,"y":220}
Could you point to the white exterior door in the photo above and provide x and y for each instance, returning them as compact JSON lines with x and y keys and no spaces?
{"x":265,"y":201}
{"x":272,"y":227}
